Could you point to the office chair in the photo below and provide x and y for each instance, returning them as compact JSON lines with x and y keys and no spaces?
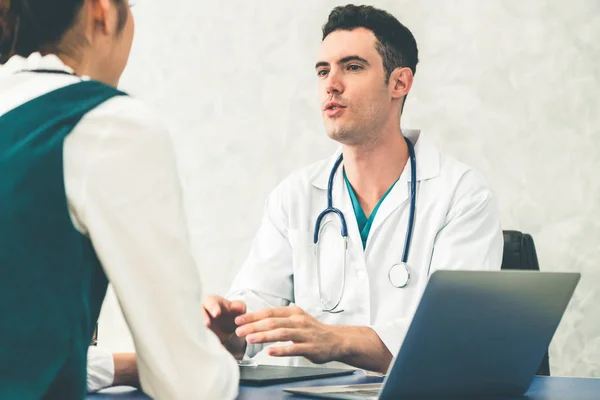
{"x":519,"y":253}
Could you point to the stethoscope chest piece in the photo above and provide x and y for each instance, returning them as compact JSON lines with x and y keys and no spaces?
{"x":399,"y":275}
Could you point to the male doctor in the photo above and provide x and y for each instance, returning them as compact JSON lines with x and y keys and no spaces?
{"x":352,"y":300}
{"x":358,"y":314}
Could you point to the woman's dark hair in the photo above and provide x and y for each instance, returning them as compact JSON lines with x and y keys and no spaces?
{"x":395,"y":42}
{"x":27,"y":26}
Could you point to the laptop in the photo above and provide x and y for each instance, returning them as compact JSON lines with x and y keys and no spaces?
{"x":475,"y":334}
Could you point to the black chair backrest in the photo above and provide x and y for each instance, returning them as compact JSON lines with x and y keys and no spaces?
{"x":519,"y":253}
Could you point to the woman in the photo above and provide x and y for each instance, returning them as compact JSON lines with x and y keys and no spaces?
{"x":89,"y":191}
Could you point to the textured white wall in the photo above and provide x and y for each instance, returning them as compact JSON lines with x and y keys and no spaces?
{"x":508,"y":86}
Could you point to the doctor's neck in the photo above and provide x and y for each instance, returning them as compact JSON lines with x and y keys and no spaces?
{"x":373,"y":167}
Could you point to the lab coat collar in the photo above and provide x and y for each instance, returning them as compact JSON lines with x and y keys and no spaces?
{"x":427,"y":157}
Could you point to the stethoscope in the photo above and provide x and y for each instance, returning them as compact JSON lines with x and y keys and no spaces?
{"x":398,"y":274}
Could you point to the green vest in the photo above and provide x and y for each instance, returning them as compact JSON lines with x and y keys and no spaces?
{"x":51,"y":282}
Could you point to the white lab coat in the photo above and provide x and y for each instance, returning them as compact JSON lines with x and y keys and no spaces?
{"x":457,"y":226}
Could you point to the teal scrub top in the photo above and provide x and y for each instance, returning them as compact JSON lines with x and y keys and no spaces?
{"x":364,"y":223}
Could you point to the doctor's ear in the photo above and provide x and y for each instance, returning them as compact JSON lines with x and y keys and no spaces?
{"x":400,"y":82}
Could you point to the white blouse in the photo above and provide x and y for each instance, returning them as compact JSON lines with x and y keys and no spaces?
{"x":124,"y":192}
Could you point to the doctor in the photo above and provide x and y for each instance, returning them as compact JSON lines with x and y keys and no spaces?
{"x":346,"y":245}
{"x":350,"y":297}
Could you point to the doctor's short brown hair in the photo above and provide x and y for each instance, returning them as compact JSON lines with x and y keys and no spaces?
{"x":395,"y":42}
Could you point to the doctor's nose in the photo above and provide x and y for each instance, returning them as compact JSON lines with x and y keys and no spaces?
{"x":334,"y":85}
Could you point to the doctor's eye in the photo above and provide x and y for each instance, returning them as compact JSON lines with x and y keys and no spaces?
{"x":322,"y":72}
{"x":354,"y":67}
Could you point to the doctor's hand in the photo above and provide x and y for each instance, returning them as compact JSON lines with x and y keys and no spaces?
{"x":318,"y":342}
{"x":219,"y":315}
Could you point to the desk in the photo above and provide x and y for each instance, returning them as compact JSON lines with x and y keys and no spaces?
{"x":542,"y":388}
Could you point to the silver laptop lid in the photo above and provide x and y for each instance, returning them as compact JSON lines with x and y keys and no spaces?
{"x":479,"y":333}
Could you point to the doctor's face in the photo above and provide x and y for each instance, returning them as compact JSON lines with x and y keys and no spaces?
{"x":353,"y":93}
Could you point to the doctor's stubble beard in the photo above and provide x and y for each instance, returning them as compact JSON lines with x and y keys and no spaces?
{"x":363,"y":131}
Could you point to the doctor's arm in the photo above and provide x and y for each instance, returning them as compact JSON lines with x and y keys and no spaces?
{"x":133,"y":213}
{"x":358,"y":346}
{"x":471,"y":239}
